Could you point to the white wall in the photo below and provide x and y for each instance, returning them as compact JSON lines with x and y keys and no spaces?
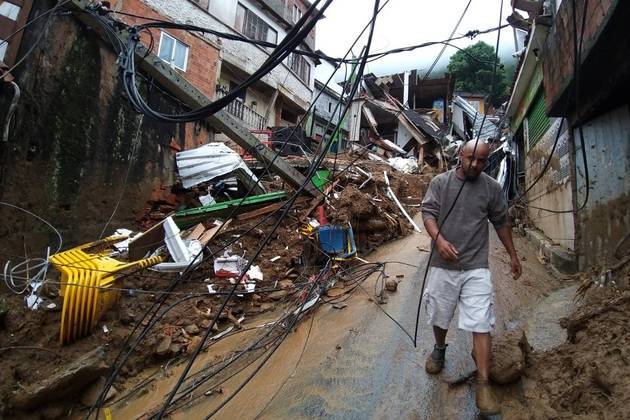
{"x":247,"y":57}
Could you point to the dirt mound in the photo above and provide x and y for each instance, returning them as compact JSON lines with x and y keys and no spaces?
{"x":509,"y":353}
{"x":366,"y":205}
{"x":589,"y":375}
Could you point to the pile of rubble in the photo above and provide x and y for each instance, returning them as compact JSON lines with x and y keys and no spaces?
{"x":209,"y":229}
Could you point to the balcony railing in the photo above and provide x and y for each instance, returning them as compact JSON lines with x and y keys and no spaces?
{"x":243,"y":112}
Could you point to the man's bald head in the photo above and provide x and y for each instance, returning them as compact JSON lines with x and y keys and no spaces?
{"x":482,"y":147}
{"x":472,"y":158}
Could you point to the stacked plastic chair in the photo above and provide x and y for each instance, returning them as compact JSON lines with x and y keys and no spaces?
{"x":87,"y":274}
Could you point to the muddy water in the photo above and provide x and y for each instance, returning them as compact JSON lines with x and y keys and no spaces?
{"x":541,"y":324}
{"x":357,"y":363}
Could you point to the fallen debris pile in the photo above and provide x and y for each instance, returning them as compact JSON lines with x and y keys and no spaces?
{"x":103,"y":291}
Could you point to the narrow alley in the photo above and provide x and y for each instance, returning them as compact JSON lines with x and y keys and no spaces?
{"x":267,"y":209}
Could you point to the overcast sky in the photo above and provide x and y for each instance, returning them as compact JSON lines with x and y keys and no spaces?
{"x":408,"y":22}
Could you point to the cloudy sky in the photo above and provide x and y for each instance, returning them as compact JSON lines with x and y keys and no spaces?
{"x":408,"y":22}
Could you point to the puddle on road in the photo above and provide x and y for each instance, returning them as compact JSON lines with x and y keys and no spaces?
{"x":542,"y":325}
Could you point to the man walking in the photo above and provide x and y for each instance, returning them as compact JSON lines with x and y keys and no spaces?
{"x":458,"y":273}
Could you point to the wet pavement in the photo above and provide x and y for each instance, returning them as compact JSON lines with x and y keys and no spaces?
{"x":376,"y":372}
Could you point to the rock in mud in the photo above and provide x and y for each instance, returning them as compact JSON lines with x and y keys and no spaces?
{"x":175,"y":348}
{"x":391,"y":285}
{"x":277,"y":295}
{"x":509,"y":352}
{"x":194,"y":343}
{"x":68,"y":380}
{"x":164,"y":347}
{"x":127,"y":317}
{"x":285,"y":284}
{"x":192,"y":329}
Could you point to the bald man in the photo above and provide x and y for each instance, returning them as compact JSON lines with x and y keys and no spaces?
{"x":458,"y":273}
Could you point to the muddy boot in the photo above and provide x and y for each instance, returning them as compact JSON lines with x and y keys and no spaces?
{"x":487,"y":401}
{"x":435,"y":361}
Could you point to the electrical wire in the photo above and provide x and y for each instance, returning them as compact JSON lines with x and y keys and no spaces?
{"x":428,"y":73}
{"x":294,"y":37}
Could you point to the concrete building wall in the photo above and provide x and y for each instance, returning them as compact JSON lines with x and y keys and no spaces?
{"x":74,"y":139}
{"x":221,"y":16}
{"x":554,"y":190}
{"x":325,"y":107}
{"x":606,"y":218}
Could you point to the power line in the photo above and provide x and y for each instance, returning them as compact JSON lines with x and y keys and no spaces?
{"x":428,"y":73}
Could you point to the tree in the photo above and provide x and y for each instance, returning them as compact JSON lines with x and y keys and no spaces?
{"x":472,"y":68}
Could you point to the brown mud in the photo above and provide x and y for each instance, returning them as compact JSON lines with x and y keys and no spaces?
{"x":587,"y":375}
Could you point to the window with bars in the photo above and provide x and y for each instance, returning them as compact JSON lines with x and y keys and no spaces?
{"x":252,"y":26}
{"x":537,"y":120}
{"x":300,"y":66}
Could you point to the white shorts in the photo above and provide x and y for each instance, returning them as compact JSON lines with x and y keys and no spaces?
{"x":470,"y":290}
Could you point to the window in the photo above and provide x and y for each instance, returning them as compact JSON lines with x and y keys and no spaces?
{"x":329,"y":106}
{"x":252,"y":26}
{"x":297,"y":13}
{"x":9,"y":10}
{"x":300,"y":66}
{"x":173,"y":51}
{"x":3,"y":48}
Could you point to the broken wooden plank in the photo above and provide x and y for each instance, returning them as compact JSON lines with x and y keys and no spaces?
{"x":210,"y":233}
{"x":260,"y":212}
{"x":197,"y":231}
{"x":146,"y":241}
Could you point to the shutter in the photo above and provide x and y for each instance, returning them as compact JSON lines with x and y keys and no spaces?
{"x":537,"y":120}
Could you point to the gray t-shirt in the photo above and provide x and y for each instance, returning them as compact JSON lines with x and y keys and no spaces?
{"x":467,"y":225}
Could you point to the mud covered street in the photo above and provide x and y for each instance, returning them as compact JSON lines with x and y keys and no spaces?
{"x":358,"y":364}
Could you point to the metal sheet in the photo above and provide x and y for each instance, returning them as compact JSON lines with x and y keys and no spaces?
{"x":207,"y":162}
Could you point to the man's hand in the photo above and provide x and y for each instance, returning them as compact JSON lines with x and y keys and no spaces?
{"x":446,"y":249}
{"x":515,"y":266}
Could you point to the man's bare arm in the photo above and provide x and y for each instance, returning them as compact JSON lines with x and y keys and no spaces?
{"x":505,"y":235}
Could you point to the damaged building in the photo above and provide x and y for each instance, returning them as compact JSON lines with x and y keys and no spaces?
{"x":571,"y":123}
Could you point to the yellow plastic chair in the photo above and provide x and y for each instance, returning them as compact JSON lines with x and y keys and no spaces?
{"x":86,"y":274}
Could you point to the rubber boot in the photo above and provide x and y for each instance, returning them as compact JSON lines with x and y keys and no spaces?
{"x":435,"y":361}
{"x":487,"y":401}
